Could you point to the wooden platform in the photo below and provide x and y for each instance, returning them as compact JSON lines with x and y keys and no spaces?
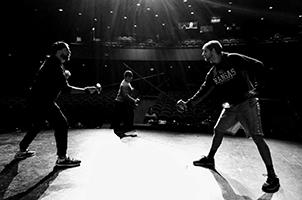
{"x":156,"y":165}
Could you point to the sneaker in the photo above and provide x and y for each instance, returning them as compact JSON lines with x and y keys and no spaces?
{"x":271,"y":185}
{"x":131,"y":135}
{"x":121,"y":134}
{"x":205,"y":162}
{"x":67,"y":162}
{"x":24,"y":154}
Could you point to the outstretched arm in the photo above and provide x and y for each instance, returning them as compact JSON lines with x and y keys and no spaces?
{"x":205,"y":89}
{"x":200,"y":95}
{"x":89,"y":89}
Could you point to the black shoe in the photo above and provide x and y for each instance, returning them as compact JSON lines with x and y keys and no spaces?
{"x":67,"y":162}
{"x":131,"y":135}
{"x":24,"y":154}
{"x":205,"y":162}
{"x":271,"y":185}
{"x":123,"y":135}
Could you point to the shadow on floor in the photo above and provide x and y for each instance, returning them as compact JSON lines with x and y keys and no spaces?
{"x":228,"y":192}
{"x":33,"y":193}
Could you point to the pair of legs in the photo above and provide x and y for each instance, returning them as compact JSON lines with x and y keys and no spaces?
{"x":123,"y":114}
{"x":52,"y":113}
{"x":248,"y":114}
{"x":260,"y":143}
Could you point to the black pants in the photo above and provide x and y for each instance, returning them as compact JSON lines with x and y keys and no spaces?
{"x":40,"y":112}
{"x":123,"y":117}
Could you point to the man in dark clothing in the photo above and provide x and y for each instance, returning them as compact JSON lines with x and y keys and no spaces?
{"x":124,"y":104}
{"x":236,"y":76}
{"x":50,"y":81}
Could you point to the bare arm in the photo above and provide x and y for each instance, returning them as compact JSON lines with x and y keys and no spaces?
{"x":126,"y":94}
{"x":88,"y":89}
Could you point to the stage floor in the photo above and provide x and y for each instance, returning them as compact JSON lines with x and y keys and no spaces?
{"x":156,"y":165}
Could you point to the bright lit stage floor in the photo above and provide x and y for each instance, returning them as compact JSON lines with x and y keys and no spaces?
{"x":156,"y":165}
